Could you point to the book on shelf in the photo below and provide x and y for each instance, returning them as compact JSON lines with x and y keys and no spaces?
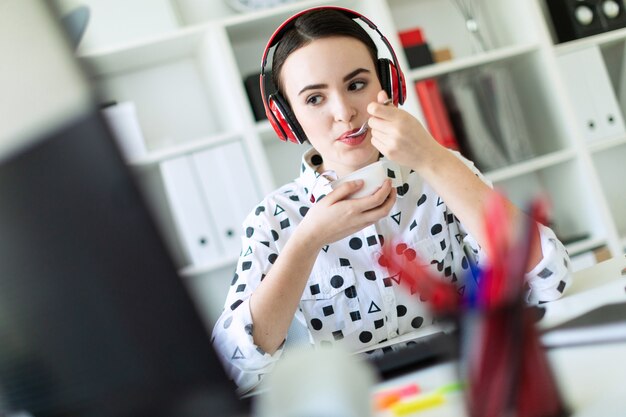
{"x":476,"y":141}
{"x":435,"y":112}
{"x":498,"y":98}
{"x":487,"y":117}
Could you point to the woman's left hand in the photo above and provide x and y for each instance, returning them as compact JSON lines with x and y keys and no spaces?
{"x":400,"y":136}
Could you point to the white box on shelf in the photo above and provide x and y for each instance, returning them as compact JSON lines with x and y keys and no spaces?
{"x":122,"y":120}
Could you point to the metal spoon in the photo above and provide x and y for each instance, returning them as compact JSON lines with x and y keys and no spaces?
{"x":365,"y":126}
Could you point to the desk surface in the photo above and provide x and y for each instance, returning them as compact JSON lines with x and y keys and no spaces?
{"x":591,"y":288}
{"x":591,"y":378}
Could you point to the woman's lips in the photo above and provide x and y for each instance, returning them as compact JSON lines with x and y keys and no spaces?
{"x":352,"y":141}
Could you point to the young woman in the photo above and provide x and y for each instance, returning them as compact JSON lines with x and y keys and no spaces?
{"x":311,"y":252}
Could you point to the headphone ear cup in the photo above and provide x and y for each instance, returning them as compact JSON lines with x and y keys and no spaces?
{"x":385,"y":77}
{"x":392,"y":81}
{"x":284,"y":121}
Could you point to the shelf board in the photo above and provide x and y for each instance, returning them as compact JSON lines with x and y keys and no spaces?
{"x":585,"y":245}
{"x":144,"y":53}
{"x":196,"y":270}
{"x":531,"y":165}
{"x":459,"y":64}
{"x":184,"y":148}
{"x":177,"y":44}
{"x":605,"y":38}
{"x":604,"y":144}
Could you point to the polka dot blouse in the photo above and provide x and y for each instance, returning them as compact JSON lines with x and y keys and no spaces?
{"x":350,"y":298}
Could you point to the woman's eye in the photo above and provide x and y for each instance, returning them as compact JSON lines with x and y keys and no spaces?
{"x":314,"y":100}
{"x":356,"y":85}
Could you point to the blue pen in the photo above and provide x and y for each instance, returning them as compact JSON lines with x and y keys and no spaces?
{"x":472,"y":279}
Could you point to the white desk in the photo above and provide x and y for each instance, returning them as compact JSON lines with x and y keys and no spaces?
{"x":592,"y":378}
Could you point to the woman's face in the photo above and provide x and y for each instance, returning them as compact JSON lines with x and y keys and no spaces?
{"x":329,"y":84}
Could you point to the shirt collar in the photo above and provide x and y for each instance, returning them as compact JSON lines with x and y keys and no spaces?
{"x":317,"y":184}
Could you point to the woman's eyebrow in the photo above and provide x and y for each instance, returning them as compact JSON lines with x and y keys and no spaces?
{"x":346,"y":78}
{"x":313,"y":87}
{"x":355,"y":73}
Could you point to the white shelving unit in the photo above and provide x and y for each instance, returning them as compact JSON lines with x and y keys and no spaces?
{"x":182,"y":62}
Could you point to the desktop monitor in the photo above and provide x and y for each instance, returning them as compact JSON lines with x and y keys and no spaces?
{"x":94,"y":320}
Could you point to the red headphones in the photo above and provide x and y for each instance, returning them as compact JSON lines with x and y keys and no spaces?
{"x":276,"y":106}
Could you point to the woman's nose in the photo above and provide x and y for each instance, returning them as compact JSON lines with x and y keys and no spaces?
{"x":344,"y":110}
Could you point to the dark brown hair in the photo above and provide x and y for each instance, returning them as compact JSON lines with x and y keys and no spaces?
{"x":316,"y":24}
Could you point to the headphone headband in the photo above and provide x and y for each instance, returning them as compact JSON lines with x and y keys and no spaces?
{"x":278,"y":111}
{"x":288,"y":24}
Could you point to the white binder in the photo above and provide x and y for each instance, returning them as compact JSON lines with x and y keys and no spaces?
{"x":590,"y":89}
{"x":190,"y":212}
{"x":229,"y":189}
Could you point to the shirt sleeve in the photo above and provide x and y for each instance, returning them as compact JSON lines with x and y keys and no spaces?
{"x":549,"y":279}
{"x":553,"y":274}
{"x":244,"y":361}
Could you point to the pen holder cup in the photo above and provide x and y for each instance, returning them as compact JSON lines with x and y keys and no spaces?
{"x":505,"y":367}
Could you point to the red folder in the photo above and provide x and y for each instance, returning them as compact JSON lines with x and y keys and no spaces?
{"x":435,"y":113}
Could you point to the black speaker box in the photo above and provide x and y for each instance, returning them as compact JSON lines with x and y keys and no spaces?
{"x":418,"y":55}
{"x":574,"y":19}
{"x":253,"y":90}
{"x":613,"y":14}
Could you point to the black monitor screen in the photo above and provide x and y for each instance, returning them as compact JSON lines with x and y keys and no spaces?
{"x":93,"y":317}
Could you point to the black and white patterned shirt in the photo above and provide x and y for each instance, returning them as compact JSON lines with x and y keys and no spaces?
{"x":350,"y":299}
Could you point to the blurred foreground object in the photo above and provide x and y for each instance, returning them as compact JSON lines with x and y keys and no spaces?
{"x":75,"y":23}
{"x":503,"y":364}
{"x":327,"y":382}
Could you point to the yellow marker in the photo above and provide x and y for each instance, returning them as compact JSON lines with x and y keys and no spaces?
{"x":419,"y":403}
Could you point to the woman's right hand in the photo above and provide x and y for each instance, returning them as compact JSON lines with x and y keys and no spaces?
{"x":335,"y":216}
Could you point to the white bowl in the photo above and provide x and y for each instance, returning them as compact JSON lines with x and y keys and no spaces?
{"x":373,"y":176}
